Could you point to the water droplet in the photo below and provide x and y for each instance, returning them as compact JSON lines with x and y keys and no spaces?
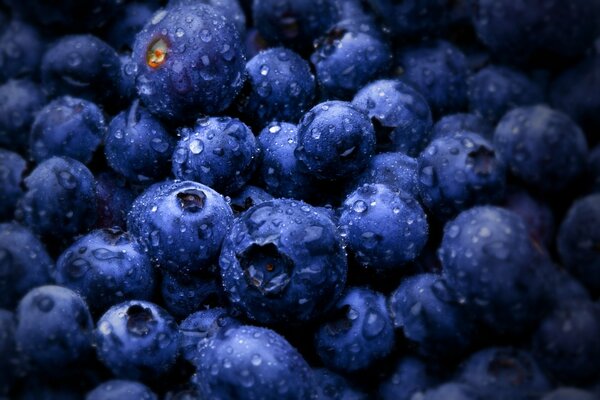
{"x":67,"y":180}
{"x":179,"y":32}
{"x":196,"y":146}
{"x":159,"y":145}
{"x":264,"y":70}
{"x":359,"y":206}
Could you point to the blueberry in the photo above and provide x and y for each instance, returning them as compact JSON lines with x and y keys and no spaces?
{"x":231,"y":9}
{"x":81,"y":66}
{"x":331,"y":386}
{"x":219,"y":152}
{"x":459,"y":171}
{"x":541,"y":146}
{"x":395,"y":170}
{"x":138,"y":146}
{"x":106,"y":267}
{"x":130,"y":19}
{"x":283,"y":261}
{"x":12,"y":169}
{"x":68,"y":126}
{"x":335,"y":140}
{"x":384,"y":229}
{"x":181,"y":224}
{"x":568,"y":393}
{"x":424,"y":310}
{"x":536,"y":213}
{"x":452,"y":123}
{"x":280,"y":87}
{"x":438,"y":70}
{"x":137,"y":340}
{"x":567,"y":342}
{"x":20,"y":100}
{"x":409,"y":378}
{"x":190,"y":61}
{"x":254,"y":363}
{"x":452,"y":391}
{"x":400,"y":114}
{"x":114,"y":200}
{"x":491,"y":264}
{"x":126,"y":89}
{"x":247,"y":197}
{"x":60,"y":199}
{"x":358,"y":332}
{"x":499,"y":373}
{"x":10,"y":360}
{"x":21,"y":49}
{"x":118,"y":389}
{"x":184,"y":294}
{"x":54,"y":329}
{"x":24,"y":263}
{"x":561,"y":286}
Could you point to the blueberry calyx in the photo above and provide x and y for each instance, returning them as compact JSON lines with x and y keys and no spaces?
{"x":157,"y":53}
{"x":192,"y":200}
{"x":266,"y":269}
{"x":482,"y":160}
{"x":139,"y":319}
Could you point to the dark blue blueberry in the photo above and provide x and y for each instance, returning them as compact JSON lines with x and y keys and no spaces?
{"x":137,"y":145}
{"x":130,"y":19}
{"x":24,"y":263}
{"x":536,"y":213}
{"x":491,"y":264}
{"x":358,"y":332}
{"x":280,"y":87}
{"x":578,"y":241}
{"x":294,"y":23}
{"x":541,"y":146}
{"x":335,"y":140}
{"x":113,"y":199}
{"x":54,"y":329}
{"x":494,"y":90}
{"x":21,"y":50}
{"x":425,"y":311}
{"x":400,"y":114}
{"x":459,"y":171}
{"x":182,"y":224}
{"x":106,"y":267}
{"x":248,"y":197}
{"x":569,"y":393}
{"x":561,"y":286}
{"x":12,"y":169}
{"x":118,"y":389}
{"x":252,"y":363}
{"x":452,"y":391}
{"x":395,"y":170}
{"x":220,"y":152}
{"x":231,"y":9}
{"x":126,"y":89}
{"x":60,"y":200}
{"x":283,"y":261}
{"x":501,"y":373}
{"x":331,"y":386}
{"x":184,"y":294}
{"x":383,"y":228}
{"x":409,"y":378}
{"x":346,"y":58}
{"x":190,"y":61}
{"x":20,"y":100}
{"x":594,"y":169}
{"x":10,"y":361}
{"x":137,"y":340}
{"x":452,"y":123}
{"x":567,"y":342}
{"x":69,"y":127}
{"x":82,"y":66}
{"x":254,"y":43}
{"x":280,"y":172}
{"x":438,"y":70}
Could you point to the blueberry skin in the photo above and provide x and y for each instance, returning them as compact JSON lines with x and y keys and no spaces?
{"x":358,"y":332}
{"x":439,"y":71}
{"x":537,"y":214}
{"x":494,"y":90}
{"x":594,"y":169}
{"x":12,"y":169}
{"x":384,"y":229}
{"x":283,"y":261}
{"x":567,"y":342}
{"x":561,"y":285}
{"x":331,"y":386}
{"x":335,"y":140}
{"x":247,"y":197}
{"x":126,"y":89}
{"x":10,"y":360}
{"x":578,"y":238}
{"x":568,"y":393}
{"x":451,"y":391}
{"x":69,"y":127}
{"x":423,"y":308}
{"x":410,"y":376}
{"x":252,"y":363}
{"x":292,"y":23}
{"x":279,"y":171}
{"x":400,"y":114}
{"x":54,"y":329}
{"x":137,"y":340}
{"x":114,"y":200}
{"x":346,"y":59}
{"x":60,"y":200}
{"x":492,"y":266}
{"x":231,"y":9}
{"x":106,"y":267}
{"x":500,"y":373}
{"x":195,"y":67}
{"x":24,"y":263}
{"x":452,"y":123}
{"x":21,"y":50}
{"x":219,"y":152}
{"x":395,"y":170}
{"x":81,"y":66}
{"x":130,"y":19}
{"x":279,"y":87}
{"x":460,"y":171}
{"x":161,"y":216}
{"x":183,"y":294}
{"x":542,"y":147}
{"x":138,"y":146}
{"x":118,"y":389}
{"x":20,"y":100}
